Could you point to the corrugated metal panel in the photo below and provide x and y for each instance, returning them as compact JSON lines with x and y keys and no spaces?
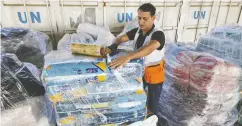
{"x":203,"y":15}
{"x":75,"y":12}
{"x":52,"y":17}
{"x":120,"y":12}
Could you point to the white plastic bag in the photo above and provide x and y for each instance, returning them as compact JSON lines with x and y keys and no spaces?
{"x":151,"y":121}
{"x":101,"y":35}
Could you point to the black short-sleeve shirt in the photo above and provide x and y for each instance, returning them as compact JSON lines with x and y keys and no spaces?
{"x":158,"y":36}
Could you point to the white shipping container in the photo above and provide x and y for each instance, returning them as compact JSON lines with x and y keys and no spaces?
{"x":183,"y":21}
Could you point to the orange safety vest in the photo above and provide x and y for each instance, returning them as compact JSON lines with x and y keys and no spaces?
{"x":155,"y":74}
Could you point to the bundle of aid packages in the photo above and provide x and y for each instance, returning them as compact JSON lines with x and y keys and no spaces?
{"x":22,"y":59}
{"x":21,"y":93}
{"x":199,"y":89}
{"x":226,"y":43}
{"x":84,"y":91}
{"x":28,"y":45}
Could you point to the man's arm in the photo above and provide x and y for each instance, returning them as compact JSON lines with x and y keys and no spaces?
{"x":123,"y":38}
{"x":142,"y":52}
{"x":112,"y":49}
{"x":157,"y":37}
{"x":145,"y":50}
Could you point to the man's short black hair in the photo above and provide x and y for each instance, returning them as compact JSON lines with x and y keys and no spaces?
{"x":148,"y":7}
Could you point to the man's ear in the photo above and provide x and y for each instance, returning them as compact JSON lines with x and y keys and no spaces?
{"x":153,"y":18}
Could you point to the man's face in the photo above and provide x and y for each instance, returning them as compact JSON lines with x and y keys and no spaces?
{"x":145,"y":20}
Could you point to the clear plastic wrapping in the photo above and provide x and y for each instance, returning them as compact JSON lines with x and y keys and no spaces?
{"x":64,"y":43}
{"x":84,"y":91}
{"x":17,"y":82}
{"x":190,"y":46}
{"x":12,"y":90}
{"x":223,"y":48}
{"x":232,"y":32}
{"x":49,"y":111}
{"x":199,"y":89}
{"x":68,"y":39}
{"x":26,"y":113}
{"x":151,"y":121}
{"x":101,"y":35}
{"x":21,"y":93}
{"x":224,"y":42}
{"x":28,"y":45}
{"x":33,"y":69}
{"x":88,"y":40}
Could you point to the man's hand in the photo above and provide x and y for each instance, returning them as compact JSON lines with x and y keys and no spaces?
{"x":113,"y":48}
{"x":110,"y":49}
{"x":104,"y":51}
{"x":119,"y":62}
{"x":142,"y":52}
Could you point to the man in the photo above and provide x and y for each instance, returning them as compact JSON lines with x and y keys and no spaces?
{"x":148,"y":43}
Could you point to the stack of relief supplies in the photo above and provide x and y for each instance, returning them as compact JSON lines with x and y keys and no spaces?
{"x":199,"y":89}
{"x":84,"y":91}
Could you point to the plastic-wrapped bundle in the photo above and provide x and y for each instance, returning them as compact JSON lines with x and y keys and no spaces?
{"x":224,"y":42}
{"x":48,"y":110}
{"x":29,"y":46}
{"x":17,"y":81}
{"x":94,"y":118}
{"x":68,"y":39}
{"x":199,"y":89}
{"x":223,"y":48}
{"x":63,"y":63}
{"x":82,"y":37}
{"x":190,"y":46}
{"x":232,"y":32}
{"x":88,"y":40}
{"x":33,"y":69}
{"x":104,"y":104}
{"x":80,"y":86}
{"x":64,"y":43}
{"x":75,"y":87}
{"x":12,"y":90}
{"x":17,"y":108}
{"x":17,"y":85}
{"x":128,"y":108}
{"x":81,"y":73}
